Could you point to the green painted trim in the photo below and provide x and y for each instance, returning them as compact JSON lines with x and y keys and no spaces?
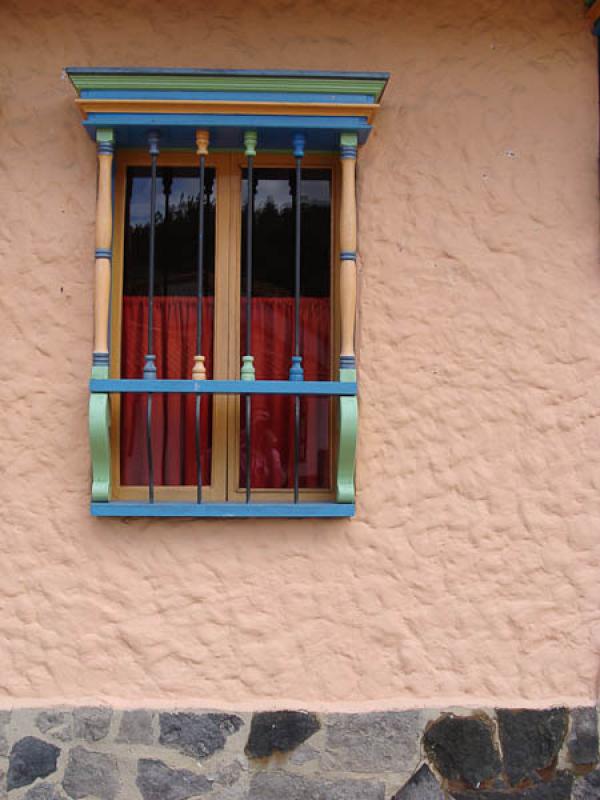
{"x":237,"y":83}
{"x":348,"y":432}
{"x":99,"y":427}
{"x":250,"y":140}
{"x":105,"y":135}
{"x":248,"y":372}
{"x":348,"y":140}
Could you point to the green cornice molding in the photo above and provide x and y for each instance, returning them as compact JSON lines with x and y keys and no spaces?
{"x":371,"y":84}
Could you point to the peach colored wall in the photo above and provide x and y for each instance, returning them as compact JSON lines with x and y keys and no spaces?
{"x":472,"y":570}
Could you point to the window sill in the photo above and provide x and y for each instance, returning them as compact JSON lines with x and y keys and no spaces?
{"x":223,"y":510}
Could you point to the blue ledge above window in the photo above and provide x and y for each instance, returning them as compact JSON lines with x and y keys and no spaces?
{"x":223,"y":510}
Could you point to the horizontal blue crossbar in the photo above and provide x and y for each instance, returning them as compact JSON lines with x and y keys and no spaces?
{"x":140,"y":386}
{"x":289,"y":121}
{"x":231,"y":510}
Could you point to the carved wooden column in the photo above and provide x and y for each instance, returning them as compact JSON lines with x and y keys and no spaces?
{"x":104,"y":234}
{"x":348,"y":142}
{"x":99,"y":410}
{"x":348,"y":420}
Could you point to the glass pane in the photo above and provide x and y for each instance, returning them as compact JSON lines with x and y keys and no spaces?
{"x":272,"y":309}
{"x":174,"y":322}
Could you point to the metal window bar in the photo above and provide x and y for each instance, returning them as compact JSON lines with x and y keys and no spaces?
{"x":296,"y":370}
{"x":150,"y":361}
{"x":200,"y":300}
{"x":248,"y":399}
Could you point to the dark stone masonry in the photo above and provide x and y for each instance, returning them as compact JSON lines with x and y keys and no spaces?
{"x":279,"y":731}
{"x":101,"y":753}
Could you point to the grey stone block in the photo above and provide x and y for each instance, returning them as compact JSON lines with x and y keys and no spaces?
{"x":530,"y":740}
{"x":44,"y":791}
{"x":91,"y":774}
{"x":57,"y":724}
{"x":197,"y":735}
{"x":136,"y":727}
{"x":157,"y":781}
{"x":462,"y":749}
{"x":282,"y":786}
{"x":30,"y":758}
{"x":374,"y":742}
{"x":91,"y":724}
{"x":229,"y":775}
{"x":587,"y":787}
{"x":279,"y":731}
{"x":423,"y":785}
{"x":303,"y":755}
{"x":582,"y":743}
{"x":4,"y":720}
{"x":557,"y":789}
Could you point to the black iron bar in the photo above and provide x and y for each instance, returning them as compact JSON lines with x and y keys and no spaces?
{"x":296,"y":370}
{"x":249,"y":224}
{"x":200,"y":300}
{"x":150,"y":362}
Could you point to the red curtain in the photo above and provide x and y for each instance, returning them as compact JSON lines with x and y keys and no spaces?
{"x":173,"y":416}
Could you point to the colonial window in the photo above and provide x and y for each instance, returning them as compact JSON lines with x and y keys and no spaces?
{"x":224,"y":374}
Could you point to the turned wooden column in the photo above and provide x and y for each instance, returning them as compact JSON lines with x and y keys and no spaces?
{"x":104,"y":234}
{"x":99,"y":410}
{"x":348,"y":144}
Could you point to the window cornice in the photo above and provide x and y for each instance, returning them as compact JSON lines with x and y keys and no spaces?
{"x":176,"y":102}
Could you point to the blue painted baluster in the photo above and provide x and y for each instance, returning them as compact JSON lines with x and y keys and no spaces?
{"x":248,"y":373}
{"x":296,"y":371}
{"x":150,"y":361}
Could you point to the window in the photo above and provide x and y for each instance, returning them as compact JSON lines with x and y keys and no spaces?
{"x":231,"y":313}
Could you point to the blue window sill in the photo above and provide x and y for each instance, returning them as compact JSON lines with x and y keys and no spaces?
{"x":223,"y":510}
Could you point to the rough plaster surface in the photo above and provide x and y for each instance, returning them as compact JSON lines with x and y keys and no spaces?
{"x":470,"y":573}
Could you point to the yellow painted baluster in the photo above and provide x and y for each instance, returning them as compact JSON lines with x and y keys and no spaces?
{"x":104,"y":233}
{"x":348,"y":419}
{"x":348,"y":251}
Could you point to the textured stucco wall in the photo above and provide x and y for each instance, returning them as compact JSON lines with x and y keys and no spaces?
{"x":471,"y":572}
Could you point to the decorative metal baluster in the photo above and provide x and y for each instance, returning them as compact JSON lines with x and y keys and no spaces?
{"x":296,"y":370}
{"x":150,"y":362}
{"x":199,"y":369}
{"x":248,"y":372}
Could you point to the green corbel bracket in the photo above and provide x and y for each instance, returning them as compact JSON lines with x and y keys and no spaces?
{"x":99,"y":422}
{"x":347,"y":442}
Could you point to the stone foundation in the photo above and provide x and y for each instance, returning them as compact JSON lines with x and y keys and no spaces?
{"x":61,"y":753}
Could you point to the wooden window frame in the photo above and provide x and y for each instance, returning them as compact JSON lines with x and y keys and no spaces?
{"x":224,"y":486}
